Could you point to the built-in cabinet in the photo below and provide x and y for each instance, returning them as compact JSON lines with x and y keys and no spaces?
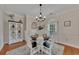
{"x":16,"y":28}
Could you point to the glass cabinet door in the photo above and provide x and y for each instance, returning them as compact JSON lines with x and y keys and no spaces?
{"x":12,"y":32}
{"x":19,"y":31}
{"x":15,"y":31}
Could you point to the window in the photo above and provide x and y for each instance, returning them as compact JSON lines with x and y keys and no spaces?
{"x":52,"y":27}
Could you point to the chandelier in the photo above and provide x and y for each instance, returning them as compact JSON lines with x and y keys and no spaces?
{"x":40,"y":17}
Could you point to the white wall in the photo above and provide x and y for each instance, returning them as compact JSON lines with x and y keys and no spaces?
{"x":29,"y":21}
{"x":69,"y":35}
{"x":1,"y":30}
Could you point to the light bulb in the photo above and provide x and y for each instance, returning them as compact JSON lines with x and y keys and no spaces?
{"x":40,"y":16}
{"x":44,"y":17}
{"x":36,"y":17}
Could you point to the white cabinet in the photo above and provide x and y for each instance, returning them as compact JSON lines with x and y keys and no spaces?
{"x":16,"y":29}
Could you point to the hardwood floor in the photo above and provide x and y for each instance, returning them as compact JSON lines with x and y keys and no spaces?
{"x":8,"y":47}
{"x":71,"y":50}
{"x":68,"y":50}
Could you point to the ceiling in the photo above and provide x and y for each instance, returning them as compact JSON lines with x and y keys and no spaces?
{"x":33,"y":9}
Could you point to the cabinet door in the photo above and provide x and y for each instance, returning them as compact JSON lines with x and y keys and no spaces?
{"x":12,"y":32}
{"x":15,"y":32}
{"x":19,"y":31}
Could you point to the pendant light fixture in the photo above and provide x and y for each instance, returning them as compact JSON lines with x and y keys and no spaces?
{"x":40,"y":17}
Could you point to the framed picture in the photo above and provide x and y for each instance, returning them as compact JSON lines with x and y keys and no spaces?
{"x":67,"y":23}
